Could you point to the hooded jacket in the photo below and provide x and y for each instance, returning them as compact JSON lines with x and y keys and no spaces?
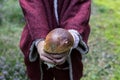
{"x":41,"y":18}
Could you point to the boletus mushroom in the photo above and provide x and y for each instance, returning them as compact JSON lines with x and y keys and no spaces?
{"x":58,"y":41}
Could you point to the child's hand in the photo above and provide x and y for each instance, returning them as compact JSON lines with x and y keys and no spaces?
{"x":55,"y":59}
{"x":59,"y":58}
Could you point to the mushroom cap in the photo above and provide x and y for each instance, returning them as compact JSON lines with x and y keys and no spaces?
{"x":58,"y":41}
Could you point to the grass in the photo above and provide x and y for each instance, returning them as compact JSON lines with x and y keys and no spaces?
{"x":102,"y":61}
{"x":11,"y":59}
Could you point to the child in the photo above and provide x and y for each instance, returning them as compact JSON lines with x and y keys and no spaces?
{"x":41,"y":17}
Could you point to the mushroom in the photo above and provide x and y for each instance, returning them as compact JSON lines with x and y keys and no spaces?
{"x":58,"y":41}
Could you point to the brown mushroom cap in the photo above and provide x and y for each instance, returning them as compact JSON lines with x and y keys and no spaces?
{"x":58,"y":41}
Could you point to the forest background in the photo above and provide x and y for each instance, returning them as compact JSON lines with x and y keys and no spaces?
{"x":101,"y":63}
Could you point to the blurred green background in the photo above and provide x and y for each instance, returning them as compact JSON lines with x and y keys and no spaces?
{"x":101,"y":63}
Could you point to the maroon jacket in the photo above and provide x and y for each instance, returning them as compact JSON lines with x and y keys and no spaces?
{"x":40,"y":19}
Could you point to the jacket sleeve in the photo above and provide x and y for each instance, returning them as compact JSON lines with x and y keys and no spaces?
{"x":77,"y":17}
{"x":35,"y":17}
